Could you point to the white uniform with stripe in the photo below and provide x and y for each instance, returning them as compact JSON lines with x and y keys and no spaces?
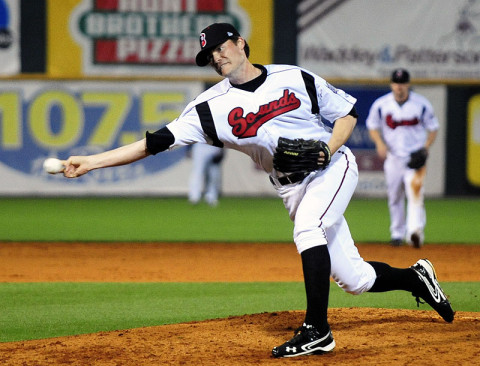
{"x":404,"y":129}
{"x":288,"y":104}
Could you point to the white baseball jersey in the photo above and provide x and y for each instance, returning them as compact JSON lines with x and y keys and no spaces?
{"x":286,"y":101}
{"x":287,"y":104}
{"x":404,"y":127}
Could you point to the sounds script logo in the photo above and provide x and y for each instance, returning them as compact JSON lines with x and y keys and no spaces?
{"x":394,"y":124}
{"x":247,"y":126}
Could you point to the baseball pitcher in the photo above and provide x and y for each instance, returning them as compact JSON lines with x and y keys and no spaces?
{"x":273,"y":114}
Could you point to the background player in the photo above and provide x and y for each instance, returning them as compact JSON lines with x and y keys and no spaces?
{"x":250,"y":110}
{"x":400,"y":123}
{"x":206,"y":174}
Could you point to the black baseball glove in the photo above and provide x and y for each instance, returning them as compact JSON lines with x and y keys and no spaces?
{"x":418,"y":159}
{"x":300,"y":155}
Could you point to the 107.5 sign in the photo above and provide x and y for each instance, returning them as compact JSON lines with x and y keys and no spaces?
{"x":49,"y":119}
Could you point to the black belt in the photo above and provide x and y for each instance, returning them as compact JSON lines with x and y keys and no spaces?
{"x":290,"y":179}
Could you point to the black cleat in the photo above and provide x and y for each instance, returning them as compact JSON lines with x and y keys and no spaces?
{"x":307,"y":341}
{"x":396,"y":242}
{"x":416,"y":242}
{"x":432,"y":293}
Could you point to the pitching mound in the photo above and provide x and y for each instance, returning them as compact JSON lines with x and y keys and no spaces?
{"x":363,"y":336}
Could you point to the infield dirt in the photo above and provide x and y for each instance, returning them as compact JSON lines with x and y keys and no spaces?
{"x":363,"y":336}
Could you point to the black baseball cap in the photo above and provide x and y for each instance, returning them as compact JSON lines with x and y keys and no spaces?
{"x":400,"y":76}
{"x":212,"y":36}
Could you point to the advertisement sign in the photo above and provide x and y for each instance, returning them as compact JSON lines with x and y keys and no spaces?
{"x":53,"y":119}
{"x":365,"y":39}
{"x":9,"y":37}
{"x":371,"y":179}
{"x":42,"y":119}
{"x":473,"y":140}
{"x":152,"y":38}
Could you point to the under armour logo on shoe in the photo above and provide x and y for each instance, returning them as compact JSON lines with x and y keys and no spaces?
{"x":291,"y":349}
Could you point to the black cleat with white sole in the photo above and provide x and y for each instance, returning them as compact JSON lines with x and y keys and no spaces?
{"x":307,"y":341}
{"x":432,"y":293}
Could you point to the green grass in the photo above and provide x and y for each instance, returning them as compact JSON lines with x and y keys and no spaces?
{"x":451,"y":220}
{"x":143,"y":219}
{"x":44,"y":310}
{"x":234,"y":220}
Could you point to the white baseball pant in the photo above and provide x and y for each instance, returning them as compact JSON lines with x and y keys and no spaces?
{"x":316,"y":206}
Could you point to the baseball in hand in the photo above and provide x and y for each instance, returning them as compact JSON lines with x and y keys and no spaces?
{"x":53,"y":166}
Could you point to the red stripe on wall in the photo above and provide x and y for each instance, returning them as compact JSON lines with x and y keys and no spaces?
{"x":211,"y":5}
{"x":106,"y":4}
{"x":202,"y":5}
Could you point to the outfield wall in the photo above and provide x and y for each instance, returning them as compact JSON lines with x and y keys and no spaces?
{"x":84,"y":76}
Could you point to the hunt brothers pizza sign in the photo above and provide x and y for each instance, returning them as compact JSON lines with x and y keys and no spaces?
{"x":148,"y":32}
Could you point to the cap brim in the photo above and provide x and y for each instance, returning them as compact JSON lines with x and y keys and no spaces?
{"x":202,"y":57}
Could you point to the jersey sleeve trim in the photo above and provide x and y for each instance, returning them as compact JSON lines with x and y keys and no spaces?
{"x":159,"y":141}
{"x":206,"y":120}
{"x":353,"y":112}
{"x":311,"y":90}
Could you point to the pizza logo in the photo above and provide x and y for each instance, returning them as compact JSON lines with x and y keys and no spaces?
{"x":146,"y":32}
{"x":247,"y":126}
